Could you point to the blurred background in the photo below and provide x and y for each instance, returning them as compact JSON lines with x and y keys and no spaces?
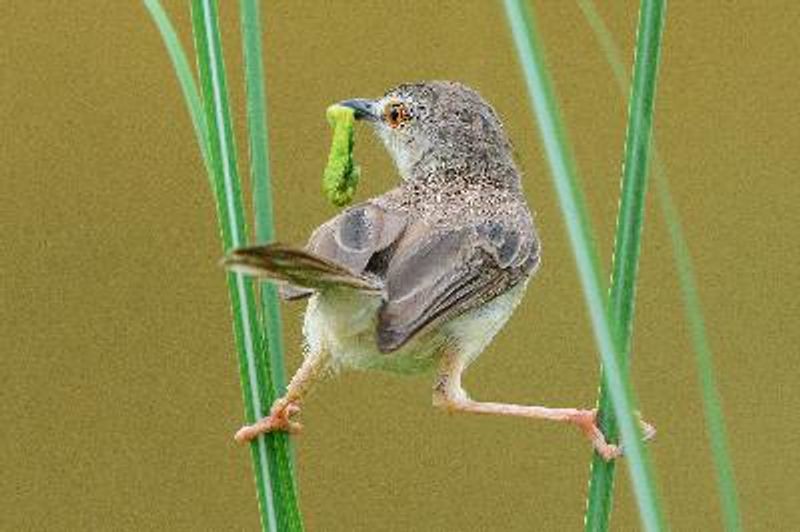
{"x":120,"y":389}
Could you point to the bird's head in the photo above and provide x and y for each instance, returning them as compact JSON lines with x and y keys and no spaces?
{"x":433,"y":126}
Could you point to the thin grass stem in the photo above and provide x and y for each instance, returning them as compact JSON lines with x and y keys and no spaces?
{"x":283,"y":467}
{"x":715,"y":421}
{"x":559,"y":157}
{"x":270,"y":453}
{"x":260,"y":176}
{"x":185,"y":79}
{"x":628,"y":242}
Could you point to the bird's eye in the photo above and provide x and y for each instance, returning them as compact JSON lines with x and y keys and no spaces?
{"x":396,"y":114}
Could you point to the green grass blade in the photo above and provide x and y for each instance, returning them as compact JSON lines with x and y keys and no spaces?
{"x":286,"y":490}
{"x":628,"y":240}
{"x":185,"y":79}
{"x":260,"y":175}
{"x":715,"y":419}
{"x":256,"y":119}
{"x":694,"y":315}
{"x":563,"y":170}
{"x":270,"y":453}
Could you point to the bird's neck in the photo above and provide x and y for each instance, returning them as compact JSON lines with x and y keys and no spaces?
{"x":440,"y":172}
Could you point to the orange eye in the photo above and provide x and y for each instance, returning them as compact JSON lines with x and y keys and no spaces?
{"x":396,"y":114}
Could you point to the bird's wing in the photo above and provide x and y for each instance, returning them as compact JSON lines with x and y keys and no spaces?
{"x":354,"y":238}
{"x":436,"y":275}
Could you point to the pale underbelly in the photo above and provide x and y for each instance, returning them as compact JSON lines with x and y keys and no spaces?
{"x":343,"y":326}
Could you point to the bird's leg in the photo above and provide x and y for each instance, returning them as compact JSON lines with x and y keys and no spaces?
{"x":280,"y":416}
{"x":449,"y":395}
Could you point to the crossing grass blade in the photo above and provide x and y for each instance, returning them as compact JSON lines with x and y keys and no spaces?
{"x":260,"y":178}
{"x":184,"y":74}
{"x":257,"y":392}
{"x":715,"y":421}
{"x":282,"y":464}
{"x":628,"y":241}
{"x":611,"y":342}
{"x":271,"y":454}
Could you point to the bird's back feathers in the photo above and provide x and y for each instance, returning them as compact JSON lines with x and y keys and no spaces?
{"x":426,"y":274}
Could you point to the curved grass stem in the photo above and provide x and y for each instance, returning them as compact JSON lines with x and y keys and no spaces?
{"x":628,"y":243}
{"x":284,"y":481}
{"x":691,"y":300}
{"x":183,"y":73}
{"x":211,"y":118}
{"x":559,"y":157}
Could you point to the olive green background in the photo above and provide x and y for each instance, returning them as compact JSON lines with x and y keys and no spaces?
{"x":120,"y":391}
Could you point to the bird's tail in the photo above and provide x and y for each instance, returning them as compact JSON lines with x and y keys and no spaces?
{"x":297,"y":267}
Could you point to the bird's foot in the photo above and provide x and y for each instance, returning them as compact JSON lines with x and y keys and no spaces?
{"x":279,"y":419}
{"x":586,"y":421}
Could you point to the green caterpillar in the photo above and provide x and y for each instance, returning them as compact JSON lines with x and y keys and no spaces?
{"x":341,"y":175}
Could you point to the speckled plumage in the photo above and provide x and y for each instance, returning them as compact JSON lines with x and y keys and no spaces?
{"x":454,"y":236}
{"x":459,"y":232}
{"x":424,"y":274}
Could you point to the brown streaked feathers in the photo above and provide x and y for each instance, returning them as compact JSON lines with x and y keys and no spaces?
{"x":427,"y":274}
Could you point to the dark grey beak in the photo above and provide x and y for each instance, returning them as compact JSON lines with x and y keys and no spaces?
{"x":364,"y":109}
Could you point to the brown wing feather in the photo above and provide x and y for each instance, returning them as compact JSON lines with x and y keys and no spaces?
{"x":435,"y":276}
{"x":298,"y":267}
{"x":352,"y":239}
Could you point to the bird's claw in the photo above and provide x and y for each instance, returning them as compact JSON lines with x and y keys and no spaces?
{"x":648,"y":432}
{"x":586,"y":421}
{"x":279,"y":419}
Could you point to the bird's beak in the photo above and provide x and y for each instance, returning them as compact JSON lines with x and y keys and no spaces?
{"x":363,"y":109}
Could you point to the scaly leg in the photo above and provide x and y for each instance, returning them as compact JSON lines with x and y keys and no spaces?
{"x":449,"y":395}
{"x":280,"y":416}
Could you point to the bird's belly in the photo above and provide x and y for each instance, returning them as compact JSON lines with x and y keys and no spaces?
{"x":471,"y":332}
{"x":344,"y":325}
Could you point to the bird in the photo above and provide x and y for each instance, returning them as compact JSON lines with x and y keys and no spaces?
{"x":422,"y":277}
